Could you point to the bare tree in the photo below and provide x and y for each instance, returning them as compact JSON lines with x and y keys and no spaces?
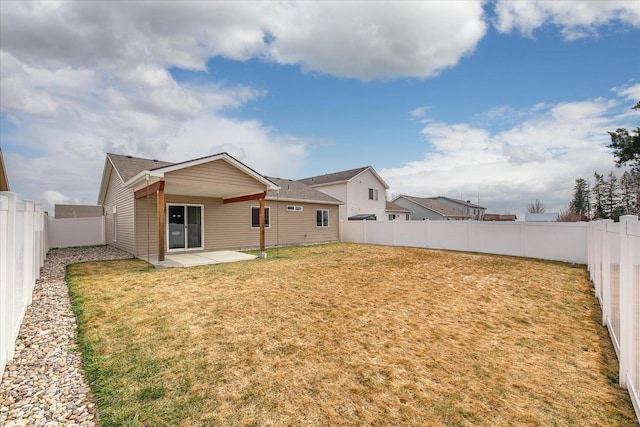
{"x":568,"y":215}
{"x":536,"y":207}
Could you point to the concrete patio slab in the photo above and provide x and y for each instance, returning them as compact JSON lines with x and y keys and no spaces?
{"x":199,"y":258}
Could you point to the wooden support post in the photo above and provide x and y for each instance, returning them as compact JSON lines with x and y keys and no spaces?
{"x":161,"y":220}
{"x":263,"y":253}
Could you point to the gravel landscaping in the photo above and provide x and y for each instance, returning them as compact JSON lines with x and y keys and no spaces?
{"x":44,"y":384}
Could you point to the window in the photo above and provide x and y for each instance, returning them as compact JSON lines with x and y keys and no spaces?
{"x":114,"y":224}
{"x":392,"y":217}
{"x":255,"y":217}
{"x":293,"y":208}
{"x":373,"y":194}
{"x":322,"y":218}
{"x":407,"y":217}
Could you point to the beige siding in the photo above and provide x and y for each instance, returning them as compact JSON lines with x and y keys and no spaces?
{"x":228,"y":226}
{"x":287,"y":228}
{"x":121,"y":198}
{"x":219,"y":172}
{"x":146,"y":219}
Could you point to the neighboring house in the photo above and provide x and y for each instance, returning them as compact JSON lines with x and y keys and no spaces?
{"x":397,"y":213}
{"x":362,"y":190}
{"x":77,"y":211}
{"x":541,"y":217}
{"x":477,"y":212}
{"x":211,"y":203}
{"x":4,"y":181}
{"x":430,"y":209}
{"x":499,"y":217}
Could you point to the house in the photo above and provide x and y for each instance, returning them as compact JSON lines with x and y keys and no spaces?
{"x":397,"y":212}
{"x":4,"y":181}
{"x":77,"y":211}
{"x":362,"y":190}
{"x":477,"y":212}
{"x":215,"y":202}
{"x":541,"y":217}
{"x":430,"y":209}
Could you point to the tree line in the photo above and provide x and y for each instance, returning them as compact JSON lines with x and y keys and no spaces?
{"x":610,"y":196}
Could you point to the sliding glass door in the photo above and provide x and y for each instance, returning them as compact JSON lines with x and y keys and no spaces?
{"x":184,"y":223}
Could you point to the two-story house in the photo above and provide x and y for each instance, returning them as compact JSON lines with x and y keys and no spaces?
{"x":362,"y":191}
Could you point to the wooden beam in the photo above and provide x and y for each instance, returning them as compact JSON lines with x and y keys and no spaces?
{"x":245,"y":198}
{"x":147,"y":191}
{"x":161,"y":220}
{"x":263,"y":254}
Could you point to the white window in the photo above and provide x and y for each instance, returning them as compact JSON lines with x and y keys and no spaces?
{"x":292,"y":208}
{"x":407,"y":217}
{"x":322,"y":218}
{"x":373,"y":194}
{"x":392,"y":217}
{"x":114,"y":224}
{"x":255,"y":217}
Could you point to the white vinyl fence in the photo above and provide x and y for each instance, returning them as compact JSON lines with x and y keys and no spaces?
{"x":614,"y":267}
{"x":23,"y":248}
{"x":560,"y":241}
{"x":67,"y":232}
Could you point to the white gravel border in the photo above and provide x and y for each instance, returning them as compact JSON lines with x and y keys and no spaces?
{"x":44,"y":384}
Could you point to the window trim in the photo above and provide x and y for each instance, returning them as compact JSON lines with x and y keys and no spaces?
{"x":267,"y":217}
{"x":322,"y":218}
{"x":373,"y":194}
{"x":295,"y":208}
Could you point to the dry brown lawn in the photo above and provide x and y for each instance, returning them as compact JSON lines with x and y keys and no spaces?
{"x":347,"y":334}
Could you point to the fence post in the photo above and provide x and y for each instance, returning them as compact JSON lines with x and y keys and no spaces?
{"x":7,"y":284}
{"x":626,"y":302}
{"x":28,"y":277}
{"x":606,"y":272}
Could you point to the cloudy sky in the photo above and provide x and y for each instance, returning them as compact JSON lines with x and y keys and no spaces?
{"x":498,"y":102}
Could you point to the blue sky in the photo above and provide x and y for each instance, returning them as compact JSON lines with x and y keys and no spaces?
{"x":502,"y":102}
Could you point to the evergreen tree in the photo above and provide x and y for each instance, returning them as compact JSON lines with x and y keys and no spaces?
{"x":629,"y":193}
{"x":597,"y":191}
{"x":612,"y":197}
{"x":626,"y":146}
{"x":580,"y":202}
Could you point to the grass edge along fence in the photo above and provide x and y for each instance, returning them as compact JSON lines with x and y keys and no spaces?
{"x":23,"y":248}
{"x":614,"y":269}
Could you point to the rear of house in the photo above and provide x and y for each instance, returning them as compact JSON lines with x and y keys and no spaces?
{"x":213,"y":203}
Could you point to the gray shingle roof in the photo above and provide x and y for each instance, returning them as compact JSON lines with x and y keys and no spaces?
{"x":462,"y":202}
{"x":129,"y":166}
{"x":392,"y":207}
{"x":298,"y":191}
{"x":438,"y":207}
{"x":333,"y":177}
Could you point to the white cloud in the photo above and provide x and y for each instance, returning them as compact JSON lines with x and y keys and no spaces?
{"x":577,"y":19}
{"x":419,"y":112}
{"x":347,"y":39}
{"x":539,"y":157}
{"x":632,"y":93}
{"x":372,"y":40}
